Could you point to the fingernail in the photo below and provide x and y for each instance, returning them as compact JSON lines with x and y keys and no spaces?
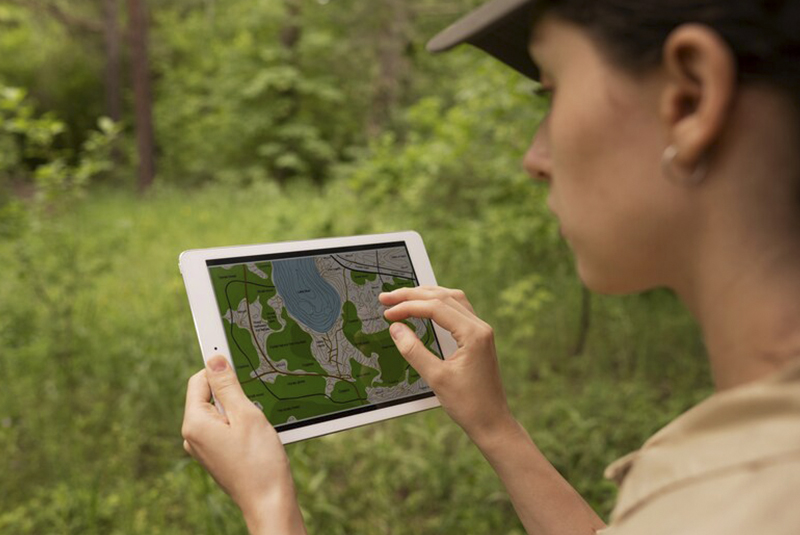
{"x":218,"y":364}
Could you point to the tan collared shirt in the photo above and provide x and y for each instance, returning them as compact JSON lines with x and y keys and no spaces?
{"x":730,"y":465}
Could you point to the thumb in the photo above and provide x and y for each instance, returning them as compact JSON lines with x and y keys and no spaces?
{"x":224,"y":384}
{"x":413,"y":351}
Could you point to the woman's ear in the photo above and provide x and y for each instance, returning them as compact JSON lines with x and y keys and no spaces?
{"x":700,"y":88}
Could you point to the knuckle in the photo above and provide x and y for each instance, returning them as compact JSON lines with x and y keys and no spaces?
{"x":252,"y":414}
{"x":226,"y":384}
{"x":188,"y":432}
{"x":438,"y":379}
{"x":482,"y":332}
{"x":427,"y":307}
{"x":487,"y":332}
{"x":194,"y":379}
{"x":406,"y":345}
{"x":223,"y":383}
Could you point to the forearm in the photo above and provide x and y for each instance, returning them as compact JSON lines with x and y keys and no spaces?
{"x":545,"y":502}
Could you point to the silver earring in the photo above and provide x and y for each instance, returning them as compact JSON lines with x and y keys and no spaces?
{"x":681,"y":177}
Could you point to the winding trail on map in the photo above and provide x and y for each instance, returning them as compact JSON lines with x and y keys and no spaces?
{"x":307,"y":296}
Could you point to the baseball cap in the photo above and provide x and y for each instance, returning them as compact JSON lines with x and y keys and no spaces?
{"x":500,"y":27}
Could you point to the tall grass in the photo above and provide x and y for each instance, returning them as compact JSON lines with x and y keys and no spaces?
{"x":98,"y":341}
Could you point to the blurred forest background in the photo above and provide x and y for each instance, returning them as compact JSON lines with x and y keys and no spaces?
{"x":133,"y":130}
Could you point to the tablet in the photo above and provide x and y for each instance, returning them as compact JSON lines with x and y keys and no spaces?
{"x":301,"y":324}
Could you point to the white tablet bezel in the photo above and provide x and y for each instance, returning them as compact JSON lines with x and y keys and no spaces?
{"x":211,"y":331}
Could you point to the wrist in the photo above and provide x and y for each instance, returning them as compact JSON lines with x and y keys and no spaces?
{"x":275,"y":513}
{"x":502,"y":431}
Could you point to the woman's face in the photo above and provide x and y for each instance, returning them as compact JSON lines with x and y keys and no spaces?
{"x":600,"y":150}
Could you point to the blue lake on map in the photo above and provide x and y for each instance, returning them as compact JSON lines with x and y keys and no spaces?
{"x":308,"y":297}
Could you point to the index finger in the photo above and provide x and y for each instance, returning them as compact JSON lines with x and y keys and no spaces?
{"x":448,"y":317}
{"x":426,"y":292}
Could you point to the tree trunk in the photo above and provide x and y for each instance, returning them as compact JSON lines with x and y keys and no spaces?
{"x":392,"y":44}
{"x":290,"y":40}
{"x":143,"y":99}
{"x":113,"y":54}
{"x":290,"y":35}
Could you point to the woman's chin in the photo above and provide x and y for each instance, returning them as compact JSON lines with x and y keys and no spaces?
{"x":608,"y":281}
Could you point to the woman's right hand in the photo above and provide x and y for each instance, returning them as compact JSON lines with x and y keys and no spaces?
{"x":468,"y":382}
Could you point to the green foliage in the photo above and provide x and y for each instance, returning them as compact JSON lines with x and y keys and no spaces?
{"x":29,"y":147}
{"x":97,"y":347}
{"x":462,"y":156}
{"x":24,"y":136}
{"x":245,"y":109}
{"x":58,"y":180}
{"x":29,"y":152}
{"x":96,"y":333}
{"x":60,"y":67}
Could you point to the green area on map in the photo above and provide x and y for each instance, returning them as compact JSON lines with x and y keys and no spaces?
{"x":300,"y":389}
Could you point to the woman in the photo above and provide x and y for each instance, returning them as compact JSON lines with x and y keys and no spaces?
{"x":671,"y":151}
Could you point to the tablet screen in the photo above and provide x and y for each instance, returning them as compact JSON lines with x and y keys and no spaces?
{"x":307,"y":334}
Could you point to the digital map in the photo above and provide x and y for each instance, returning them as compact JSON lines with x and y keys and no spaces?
{"x":308,"y":337}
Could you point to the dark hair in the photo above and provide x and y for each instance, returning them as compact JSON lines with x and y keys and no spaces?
{"x":764,"y":35}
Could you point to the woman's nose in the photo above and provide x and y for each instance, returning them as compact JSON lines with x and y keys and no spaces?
{"x":537,"y":159}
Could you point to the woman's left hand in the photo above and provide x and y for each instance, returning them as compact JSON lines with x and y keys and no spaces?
{"x":241,"y":450}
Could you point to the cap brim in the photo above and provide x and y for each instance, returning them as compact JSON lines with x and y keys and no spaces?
{"x":500,"y":27}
